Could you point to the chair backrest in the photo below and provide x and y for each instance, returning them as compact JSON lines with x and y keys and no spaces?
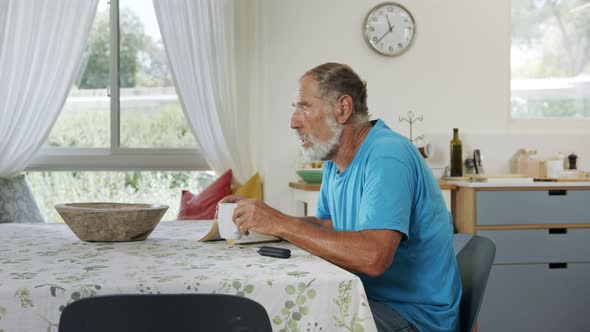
{"x":164,"y":312}
{"x":475,"y":262}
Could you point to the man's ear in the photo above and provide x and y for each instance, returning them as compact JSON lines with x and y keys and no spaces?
{"x":344,"y":109}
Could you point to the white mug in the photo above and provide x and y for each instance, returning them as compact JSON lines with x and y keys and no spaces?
{"x":227,"y":227}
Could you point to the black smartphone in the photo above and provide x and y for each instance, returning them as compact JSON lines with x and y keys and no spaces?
{"x":274,"y":252}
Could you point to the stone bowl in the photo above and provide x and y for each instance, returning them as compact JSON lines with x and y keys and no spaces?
{"x":111,"y":222}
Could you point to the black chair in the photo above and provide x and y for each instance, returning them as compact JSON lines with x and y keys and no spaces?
{"x":475,"y":262}
{"x":164,"y":312}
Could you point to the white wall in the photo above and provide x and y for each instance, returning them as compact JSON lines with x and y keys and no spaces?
{"x":456,"y":74}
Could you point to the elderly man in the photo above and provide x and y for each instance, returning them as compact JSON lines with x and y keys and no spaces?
{"x":380,"y":212}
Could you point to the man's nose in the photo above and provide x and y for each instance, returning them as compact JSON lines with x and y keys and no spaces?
{"x":295,"y":120}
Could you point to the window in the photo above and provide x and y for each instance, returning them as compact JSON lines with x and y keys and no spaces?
{"x":122,"y":112}
{"x":122,"y":134}
{"x":550,"y":59}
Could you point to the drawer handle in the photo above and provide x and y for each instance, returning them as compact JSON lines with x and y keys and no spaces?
{"x":557,"y":230}
{"x":557,"y":266}
{"x":557,"y":192}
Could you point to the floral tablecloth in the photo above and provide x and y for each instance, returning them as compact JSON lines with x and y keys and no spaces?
{"x":44,"y":267}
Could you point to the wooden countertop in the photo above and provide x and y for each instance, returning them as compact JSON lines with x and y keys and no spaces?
{"x":316,"y":187}
{"x":446,"y":185}
{"x":498,"y":185}
{"x":304,"y":186}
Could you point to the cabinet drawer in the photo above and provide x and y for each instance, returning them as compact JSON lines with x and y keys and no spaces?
{"x":540,"y":245}
{"x":526,"y":207}
{"x":536,"y":298}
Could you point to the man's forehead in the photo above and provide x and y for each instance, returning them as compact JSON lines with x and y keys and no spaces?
{"x":307,"y":89}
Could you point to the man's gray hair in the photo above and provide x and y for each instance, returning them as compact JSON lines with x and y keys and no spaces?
{"x":335,"y":80}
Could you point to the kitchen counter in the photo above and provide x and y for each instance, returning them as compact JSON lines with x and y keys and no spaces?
{"x":306,"y":196}
{"x":521,"y":185}
{"x":316,"y":187}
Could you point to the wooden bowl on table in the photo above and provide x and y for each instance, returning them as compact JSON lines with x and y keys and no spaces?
{"x":111,"y":222}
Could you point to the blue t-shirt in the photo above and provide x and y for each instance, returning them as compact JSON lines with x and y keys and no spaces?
{"x":389,"y":186}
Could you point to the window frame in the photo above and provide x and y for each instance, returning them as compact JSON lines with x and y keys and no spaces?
{"x":117,"y":158}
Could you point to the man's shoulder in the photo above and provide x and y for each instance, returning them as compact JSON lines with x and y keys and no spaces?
{"x":381,"y":134}
{"x":389,"y":144}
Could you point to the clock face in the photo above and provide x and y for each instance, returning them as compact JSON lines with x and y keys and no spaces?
{"x":389,"y":29}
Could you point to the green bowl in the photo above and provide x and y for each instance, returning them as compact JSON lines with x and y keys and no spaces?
{"x":310,"y":175}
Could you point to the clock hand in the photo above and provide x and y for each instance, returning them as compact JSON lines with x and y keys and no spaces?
{"x":385,"y":34}
{"x":389,"y":24}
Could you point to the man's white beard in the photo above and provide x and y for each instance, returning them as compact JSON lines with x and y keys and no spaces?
{"x":319,"y":149}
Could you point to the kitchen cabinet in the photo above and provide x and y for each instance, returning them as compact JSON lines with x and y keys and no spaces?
{"x":539,"y":280}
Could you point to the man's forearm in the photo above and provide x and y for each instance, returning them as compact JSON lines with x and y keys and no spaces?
{"x":354,"y":251}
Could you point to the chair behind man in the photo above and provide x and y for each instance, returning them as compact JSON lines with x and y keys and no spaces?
{"x":164,"y":312}
{"x":475,"y":262}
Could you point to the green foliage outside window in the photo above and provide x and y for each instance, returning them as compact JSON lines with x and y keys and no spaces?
{"x":51,"y":188}
{"x":547,"y":108}
{"x":551,"y":40}
{"x":83,"y":128}
{"x":557,"y":32}
{"x":142,"y":59}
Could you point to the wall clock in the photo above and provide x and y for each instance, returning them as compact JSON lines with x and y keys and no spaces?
{"x":389,"y":29}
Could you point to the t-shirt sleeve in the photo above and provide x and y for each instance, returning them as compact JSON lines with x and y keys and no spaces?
{"x":387,"y":197}
{"x":323,"y":210}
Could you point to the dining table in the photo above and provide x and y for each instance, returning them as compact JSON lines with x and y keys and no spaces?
{"x":45,"y":267}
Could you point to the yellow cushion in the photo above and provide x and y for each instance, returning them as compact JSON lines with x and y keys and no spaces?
{"x":251,"y":189}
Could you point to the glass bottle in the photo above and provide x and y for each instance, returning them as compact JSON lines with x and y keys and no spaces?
{"x":456,"y":154}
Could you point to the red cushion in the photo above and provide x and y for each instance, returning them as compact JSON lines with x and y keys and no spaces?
{"x":202,"y":206}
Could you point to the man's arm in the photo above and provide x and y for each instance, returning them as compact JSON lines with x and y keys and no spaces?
{"x":370,"y":251}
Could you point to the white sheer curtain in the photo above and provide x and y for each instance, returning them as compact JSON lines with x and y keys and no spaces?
{"x":199,"y":39}
{"x":3,"y":12}
{"x":41,"y":43}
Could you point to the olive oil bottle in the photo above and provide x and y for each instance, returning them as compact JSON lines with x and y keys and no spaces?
{"x":456,"y":154}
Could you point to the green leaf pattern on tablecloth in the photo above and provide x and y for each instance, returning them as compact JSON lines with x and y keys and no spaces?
{"x":25,"y":297}
{"x":294,"y":307}
{"x":236,"y":287}
{"x":346,"y":320}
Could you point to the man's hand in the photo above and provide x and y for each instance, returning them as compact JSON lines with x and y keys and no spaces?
{"x":253,"y":214}
{"x":228,"y":199}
